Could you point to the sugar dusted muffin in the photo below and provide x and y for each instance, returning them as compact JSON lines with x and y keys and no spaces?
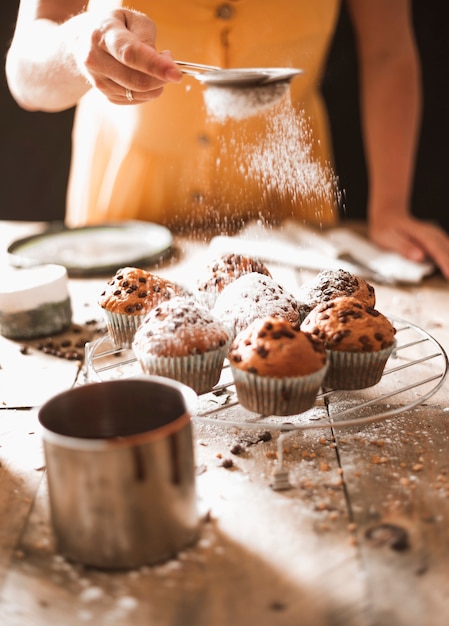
{"x":358,"y":339}
{"x":128,"y":296}
{"x":277,"y":368}
{"x":181,"y":339}
{"x":330,"y":284}
{"x":224,"y":270}
{"x":253,"y":296}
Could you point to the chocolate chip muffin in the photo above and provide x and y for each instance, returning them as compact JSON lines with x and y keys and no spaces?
{"x":252,"y":296}
{"x":128,"y":296}
{"x":181,"y":339}
{"x":224,"y":270}
{"x":358,"y":338}
{"x":277,"y":368}
{"x":330,"y":284}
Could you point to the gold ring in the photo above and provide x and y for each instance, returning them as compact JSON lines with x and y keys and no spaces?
{"x":129,"y":95}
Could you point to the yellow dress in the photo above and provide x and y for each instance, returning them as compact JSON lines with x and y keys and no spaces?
{"x":170,"y":161}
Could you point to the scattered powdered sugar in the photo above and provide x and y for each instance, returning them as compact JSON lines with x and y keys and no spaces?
{"x":267,"y":163}
{"x":285,"y":166}
{"x":277,"y":155}
{"x":252,"y":296}
{"x":179,"y":326}
{"x":241,"y":102}
{"x":91,"y":594}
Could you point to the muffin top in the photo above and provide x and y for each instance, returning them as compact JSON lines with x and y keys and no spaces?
{"x":346,"y":324}
{"x":330,"y":284}
{"x":252,"y":296}
{"x":134,"y":291}
{"x":272,"y":346}
{"x":226,"y":269}
{"x":179,"y":327}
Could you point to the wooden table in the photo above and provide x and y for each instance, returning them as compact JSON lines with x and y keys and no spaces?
{"x":361,"y":537}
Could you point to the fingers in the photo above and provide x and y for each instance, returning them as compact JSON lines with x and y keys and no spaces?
{"x":122,"y":57}
{"x":137,"y":50}
{"x":436,"y":243}
{"x":415,"y":240}
{"x":407,"y":246}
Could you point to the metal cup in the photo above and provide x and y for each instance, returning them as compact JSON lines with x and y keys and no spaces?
{"x":120,"y":471}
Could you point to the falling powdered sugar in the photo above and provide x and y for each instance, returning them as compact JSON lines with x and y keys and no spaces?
{"x":286,"y":168}
{"x":265,"y":162}
{"x":277,"y":157}
{"x":239,"y":103}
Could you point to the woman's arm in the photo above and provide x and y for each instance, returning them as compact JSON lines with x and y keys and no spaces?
{"x":391,"y":111}
{"x":59,"y":51}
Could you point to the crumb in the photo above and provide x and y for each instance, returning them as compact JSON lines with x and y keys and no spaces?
{"x":378,"y":460}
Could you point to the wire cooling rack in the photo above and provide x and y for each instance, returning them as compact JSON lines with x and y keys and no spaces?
{"x":414,"y":372}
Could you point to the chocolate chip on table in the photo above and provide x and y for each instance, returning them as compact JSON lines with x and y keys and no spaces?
{"x":390,"y":535}
{"x":65,"y":347}
{"x":251,"y":440}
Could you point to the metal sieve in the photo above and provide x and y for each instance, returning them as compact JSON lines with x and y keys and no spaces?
{"x":238,"y":77}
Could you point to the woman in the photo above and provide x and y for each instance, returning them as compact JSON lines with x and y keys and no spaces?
{"x":165,"y":159}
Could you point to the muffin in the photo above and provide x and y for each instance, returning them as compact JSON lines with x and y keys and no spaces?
{"x":277,"y":368}
{"x":34,"y":301}
{"x":181,"y":339}
{"x":358,"y":339}
{"x":252,"y":296}
{"x":224,"y":270}
{"x":330,"y":284}
{"x":128,"y":296}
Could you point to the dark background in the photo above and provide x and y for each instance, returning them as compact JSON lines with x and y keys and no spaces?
{"x":340,"y":89}
{"x":35,"y":147}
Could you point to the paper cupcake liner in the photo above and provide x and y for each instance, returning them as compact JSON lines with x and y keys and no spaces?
{"x":268,"y":395}
{"x":201,"y":372}
{"x":122,"y":328}
{"x":356,"y":370}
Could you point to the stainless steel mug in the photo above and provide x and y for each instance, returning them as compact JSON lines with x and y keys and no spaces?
{"x":120,"y":471}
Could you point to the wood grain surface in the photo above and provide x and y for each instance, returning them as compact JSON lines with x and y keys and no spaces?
{"x":359,"y":539}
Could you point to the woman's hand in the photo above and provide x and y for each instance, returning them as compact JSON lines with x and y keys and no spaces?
{"x":414,"y":239}
{"x":119,"y":58}
{"x":60,"y":50}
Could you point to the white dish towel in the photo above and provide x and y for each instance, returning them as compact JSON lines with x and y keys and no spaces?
{"x":302,"y":247}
